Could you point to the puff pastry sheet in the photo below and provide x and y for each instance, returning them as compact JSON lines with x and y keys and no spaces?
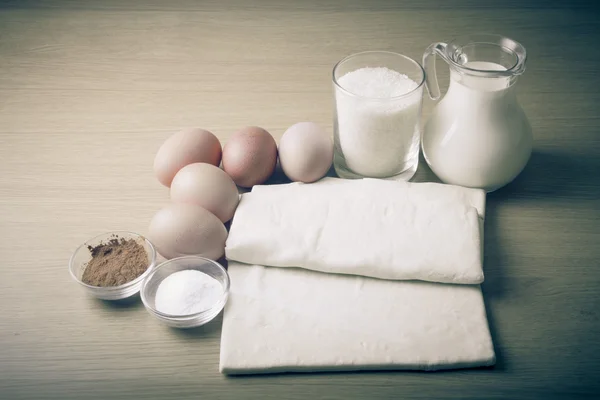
{"x":354,"y":275}
{"x":368,"y":227}
{"x":290,"y":319}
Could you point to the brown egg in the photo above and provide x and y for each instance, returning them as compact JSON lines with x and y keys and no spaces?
{"x":250,"y":156}
{"x":185,"y":147}
{"x":184,"y":229}
{"x":207,"y":186}
{"x":305,"y":152}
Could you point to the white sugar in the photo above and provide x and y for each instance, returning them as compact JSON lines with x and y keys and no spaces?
{"x":378,"y":82}
{"x":187,"y":292}
{"x":378,"y":128}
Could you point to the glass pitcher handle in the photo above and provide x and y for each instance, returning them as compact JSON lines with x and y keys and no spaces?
{"x":431,"y":82}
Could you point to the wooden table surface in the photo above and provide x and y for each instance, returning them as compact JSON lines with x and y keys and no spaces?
{"x":88,"y":92}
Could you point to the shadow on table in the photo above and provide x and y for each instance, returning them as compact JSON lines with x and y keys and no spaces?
{"x":129,"y":303}
{"x":554,"y":175}
{"x":210,"y":329}
{"x":549,"y":176}
{"x":494,"y":284}
{"x":378,"y":372}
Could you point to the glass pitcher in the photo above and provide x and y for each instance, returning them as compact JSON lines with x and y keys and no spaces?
{"x":477,"y":135}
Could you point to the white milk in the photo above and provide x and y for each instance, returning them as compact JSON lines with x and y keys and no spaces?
{"x":478,"y":135}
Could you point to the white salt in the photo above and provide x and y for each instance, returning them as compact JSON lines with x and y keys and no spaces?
{"x":378,"y":131}
{"x":187,"y":292}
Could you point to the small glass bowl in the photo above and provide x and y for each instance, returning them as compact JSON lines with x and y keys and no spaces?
{"x":156,"y":276}
{"x":82,"y":256}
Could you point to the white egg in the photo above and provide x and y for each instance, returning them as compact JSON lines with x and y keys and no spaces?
{"x":207,"y":186}
{"x":185,"y":229}
{"x":305,"y":152}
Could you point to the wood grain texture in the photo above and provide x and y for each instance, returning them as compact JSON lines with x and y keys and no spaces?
{"x":88,"y":92}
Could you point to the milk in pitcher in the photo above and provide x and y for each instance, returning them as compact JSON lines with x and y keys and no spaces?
{"x":478,"y":135}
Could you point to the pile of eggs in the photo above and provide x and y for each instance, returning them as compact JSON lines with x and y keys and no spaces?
{"x":204,"y":197}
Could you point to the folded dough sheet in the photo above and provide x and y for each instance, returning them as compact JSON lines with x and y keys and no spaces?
{"x":353,"y":294}
{"x":369,"y":227}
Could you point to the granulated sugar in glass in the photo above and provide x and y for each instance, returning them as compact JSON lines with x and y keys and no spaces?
{"x":378,"y":126}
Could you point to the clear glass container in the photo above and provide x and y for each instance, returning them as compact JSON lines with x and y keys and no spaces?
{"x":82,"y":256}
{"x":478,"y":135}
{"x":377,"y":137}
{"x":162,"y":271}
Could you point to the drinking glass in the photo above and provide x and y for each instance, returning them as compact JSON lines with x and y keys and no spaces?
{"x":377,"y":137}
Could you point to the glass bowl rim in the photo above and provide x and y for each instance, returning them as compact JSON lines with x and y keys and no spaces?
{"x":126,"y":285}
{"x":185,"y":317}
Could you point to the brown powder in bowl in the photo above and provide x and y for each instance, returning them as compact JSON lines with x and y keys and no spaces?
{"x":115,"y":262}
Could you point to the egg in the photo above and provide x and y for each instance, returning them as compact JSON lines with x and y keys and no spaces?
{"x":207,"y":186}
{"x":305,"y":152}
{"x":185,"y":229}
{"x":250,"y":156}
{"x":185,"y":147}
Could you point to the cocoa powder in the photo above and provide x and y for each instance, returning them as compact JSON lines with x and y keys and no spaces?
{"x":115,"y":262}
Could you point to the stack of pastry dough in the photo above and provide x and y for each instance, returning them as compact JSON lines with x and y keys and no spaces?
{"x":356,"y":274}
